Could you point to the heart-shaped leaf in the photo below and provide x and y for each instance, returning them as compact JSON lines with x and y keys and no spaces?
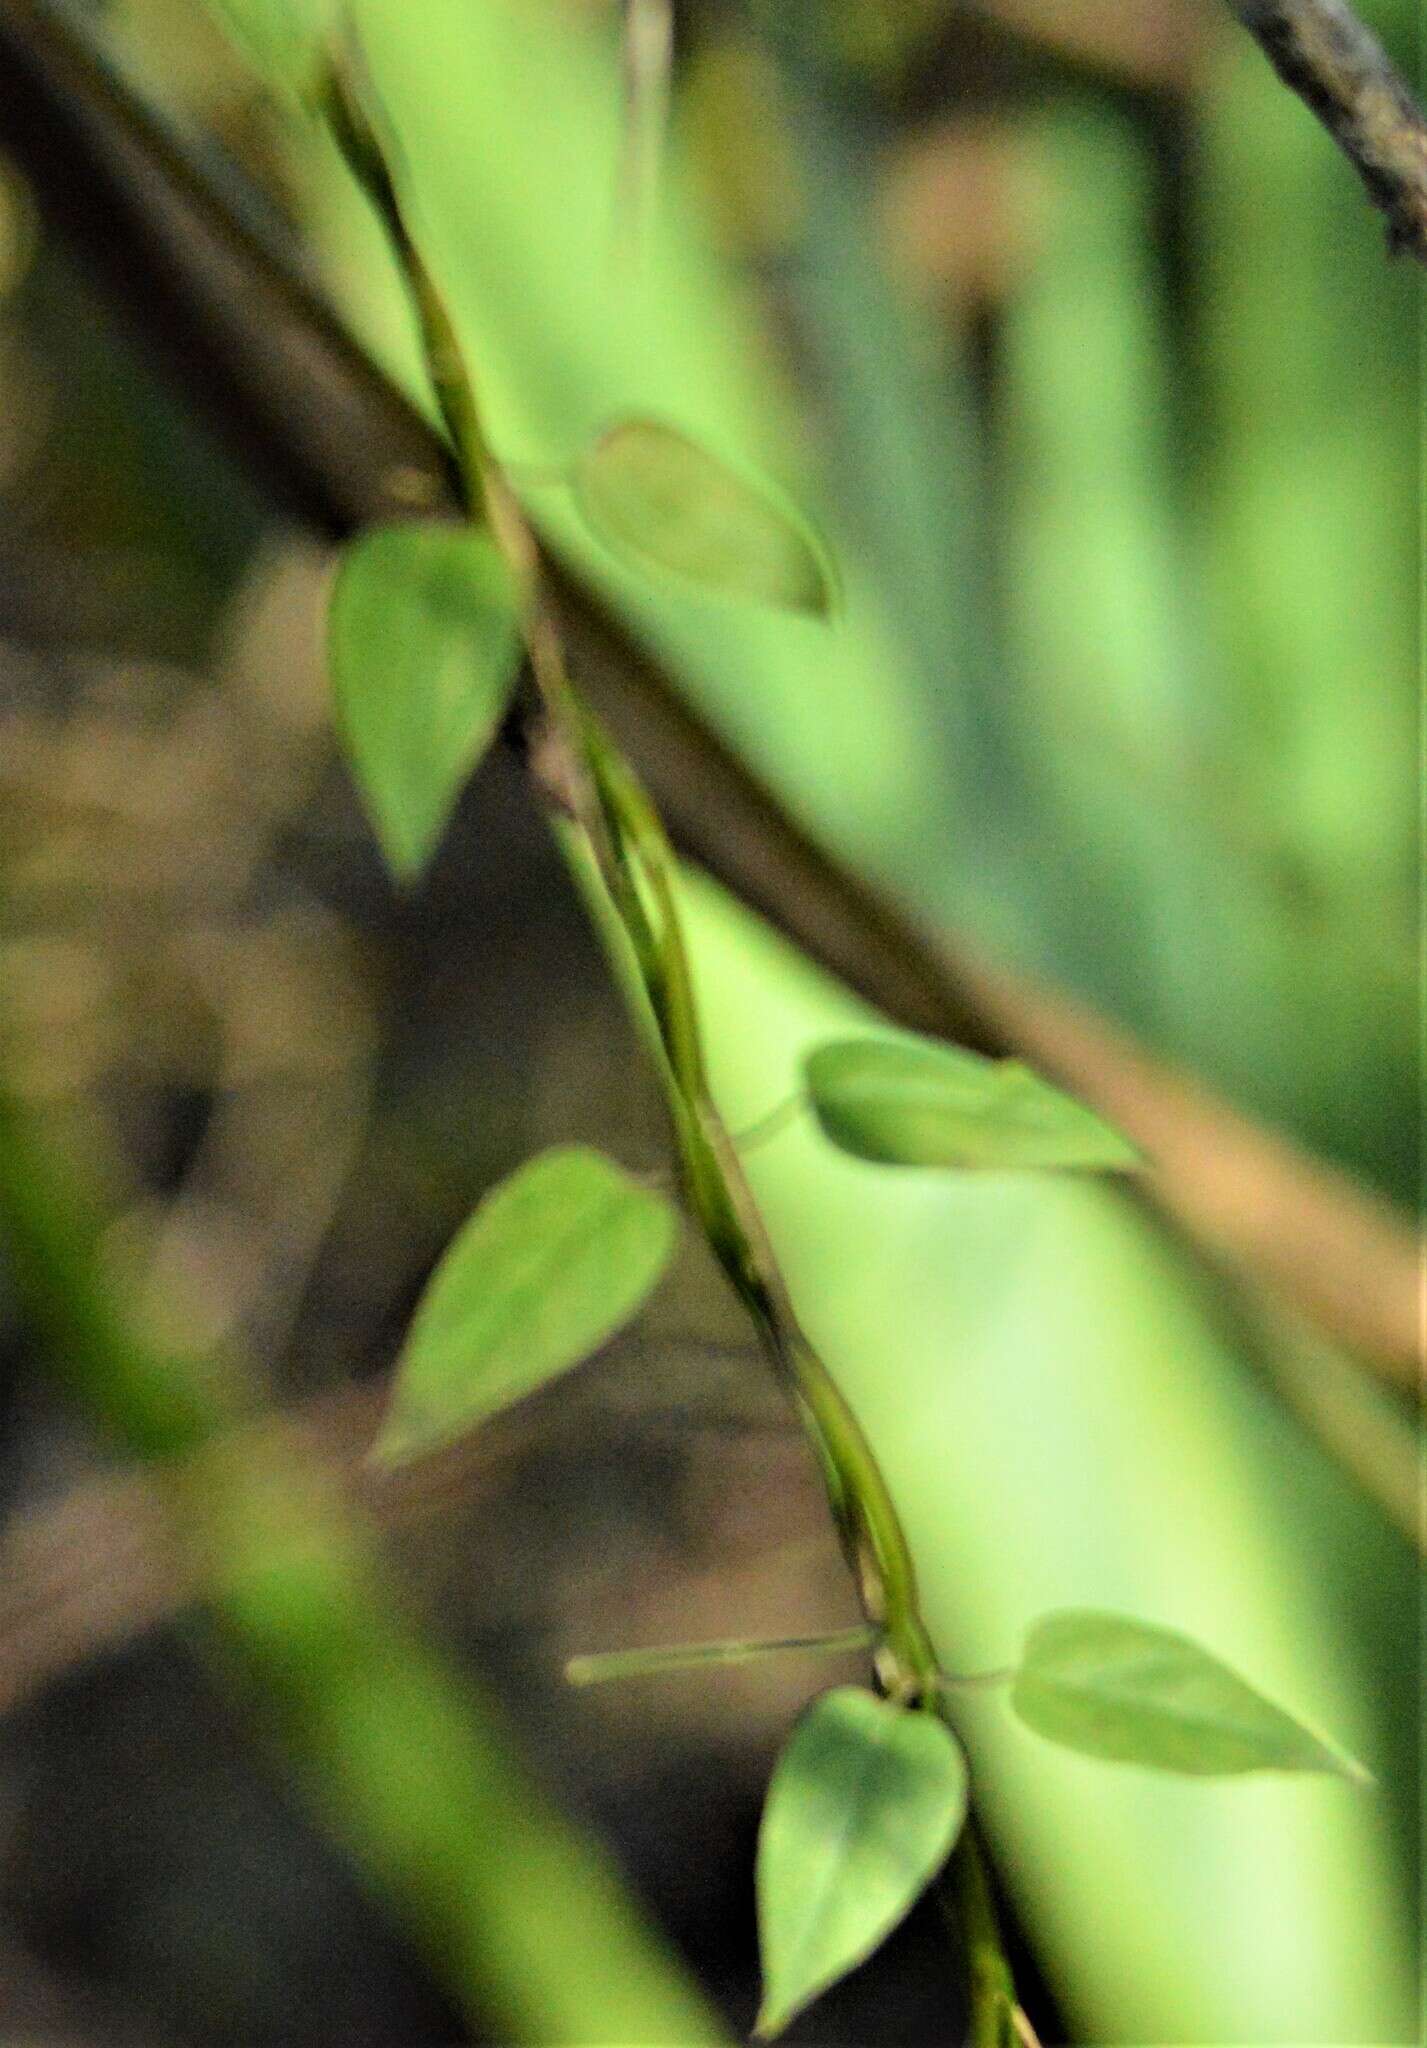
{"x":283,"y":39}
{"x":863,"y":1808}
{"x":423,"y":644}
{"x":1125,"y":1691}
{"x":551,"y":1264}
{"x":663,"y":503}
{"x":910,"y":1102}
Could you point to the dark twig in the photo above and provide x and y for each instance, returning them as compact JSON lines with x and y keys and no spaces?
{"x":210,"y":283}
{"x":1339,"y":68}
{"x":340,"y":447}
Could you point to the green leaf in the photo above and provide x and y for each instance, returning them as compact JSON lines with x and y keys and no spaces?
{"x":863,"y":1808}
{"x":910,"y":1102}
{"x":1122,"y":1690}
{"x":423,"y":644}
{"x":283,"y":39}
{"x":552,"y":1263}
{"x":663,"y":503}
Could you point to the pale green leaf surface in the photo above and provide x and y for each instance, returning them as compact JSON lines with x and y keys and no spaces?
{"x":668,"y":505}
{"x":1061,"y":1423}
{"x":1131,"y":1693}
{"x":423,"y":645}
{"x":864,"y":1805}
{"x":552,"y":1263}
{"x":908,"y":1102}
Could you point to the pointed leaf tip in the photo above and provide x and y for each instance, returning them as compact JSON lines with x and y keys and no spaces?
{"x":552,"y":1263}
{"x":915,"y":1102}
{"x":863,"y":1808}
{"x":664,"y":504}
{"x":1130,"y":1693}
{"x":423,"y":646}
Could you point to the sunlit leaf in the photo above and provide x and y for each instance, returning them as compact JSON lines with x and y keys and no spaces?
{"x":909,"y":1102}
{"x":665,"y":504}
{"x":283,"y":39}
{"x":423,"y":644}
{"x":553,"y":1262}
{"x":863,"y":1808}
{"x":1120,"y":1689}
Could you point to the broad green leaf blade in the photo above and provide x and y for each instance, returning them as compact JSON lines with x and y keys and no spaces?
{"x":423,"y":644}
{"x":863,"y":1808}
{"x":552,"y":1263}
{"x":1120,"y":1689}
{"x":283,"y":39}
{"x":664,"y":504}
{"x":909,"y":1102}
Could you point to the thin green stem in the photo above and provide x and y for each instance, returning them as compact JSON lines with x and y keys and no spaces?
{"x":997,"y":2019}
{"x":866,"y":1516}
{"x":621,"y":859}
{"x":772,"y":1123}
{"x":600,"y":808}
{"x":606,"y":1665}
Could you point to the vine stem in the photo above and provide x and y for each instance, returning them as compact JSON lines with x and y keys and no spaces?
{"x":624,"y":866}
{"x":328,"y":437}
{"x":997,"y":2018}
{"x":605,"y":823}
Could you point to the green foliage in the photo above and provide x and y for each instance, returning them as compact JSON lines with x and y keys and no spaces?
{"x":1119,"y":1689}
{"x":862,"y":1810}
{"x":909,"y":1102}
{"x":1058,"y":1414}
{"x":663,"y":503}
{"x":423,"y":643}
{"x":1104,"y":1378}
{"x":553,"y":1262}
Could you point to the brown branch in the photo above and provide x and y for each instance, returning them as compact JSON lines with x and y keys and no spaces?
{"x":208,"y":280}
{"x":1375,"y":1438}
{"x":1340,"y":70}
{"x":340,"y":447}
{"x":1295,"y":1227}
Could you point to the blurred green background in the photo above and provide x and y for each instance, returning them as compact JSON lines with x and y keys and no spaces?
{"x":1075,"y":333}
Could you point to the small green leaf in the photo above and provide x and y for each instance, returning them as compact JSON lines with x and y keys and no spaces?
{"x":863,"y":1808}
{"x":663,"y":503}
{"x":423,"y":643}
{"x":552,"y":1263}
{"x":1122,"y":1690}
{"x":283,"y":39}
{"x":911,"y":1102}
